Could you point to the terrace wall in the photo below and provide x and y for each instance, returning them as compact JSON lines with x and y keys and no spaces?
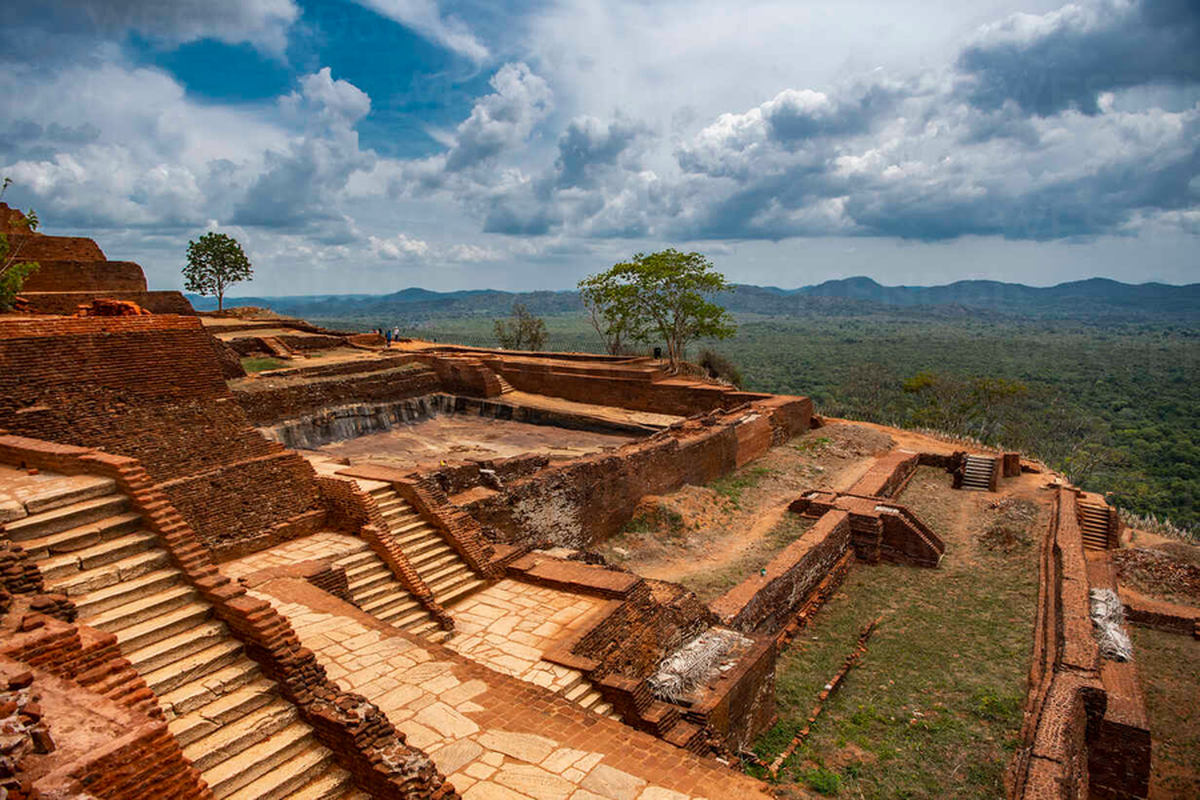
{"x":292,"y":400}
{"x":1084,"y":731}
{"x":85,"y":276}
{"x":151,"y":388}
{"x":766,"y":603}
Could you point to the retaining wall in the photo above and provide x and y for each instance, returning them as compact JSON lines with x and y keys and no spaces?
{"x":765,"y":603}
{"x":152,"y":389}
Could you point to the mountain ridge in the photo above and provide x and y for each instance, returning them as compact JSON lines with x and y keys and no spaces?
{"x":1101,"y":297}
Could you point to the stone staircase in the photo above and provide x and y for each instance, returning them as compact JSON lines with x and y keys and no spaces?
{"x":440,"y":567}
{"x":978,"y":473}
{"x":246,"y":740}
{"x":1093,"y":525}
{"x":277,"y":347}
{"x":584,"y":694}
{"x":505,"y":386}
{"x":375,"y":590}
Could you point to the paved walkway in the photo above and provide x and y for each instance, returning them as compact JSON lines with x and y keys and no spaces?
{"x":510,"y":625}
{"x":495,"y":737}
{"x":324,"y":545}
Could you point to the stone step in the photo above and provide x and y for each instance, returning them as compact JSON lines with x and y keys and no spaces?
{"x":459,"y":592}
{"x":335,"y":782}
{"x":253,"y":728}
{"x":588,"y":700}
{"x":582,"y":688}
{"x":603,"y":709}
{"x":172,"y":648}
{"x":427,"y":541}
{"x":302,"y":769}
{"x":576,"y":680}
{"x":372,"y":597}
{"x":75,"y":490}
{"x":193,"y":667}
{"x":438,"y":636}
{"x":222,"y":710}
{"x":424,"y":628}
{"x":437,"y":548}
{"x":355,"y":560}
{"x":387,"y":602}
{"x":207,"y":688}
{"x":163,"y":625}
{"x":405,"y":529}
{"x":67,"y":517}
{"x":379,"y":575}
{"x":127,"y":591}
{"x":431,"y":564}
{"x":393,"y":612}
{"x":111,"y":574}
{"x":410,"y":621}
{"x":83,"y":536}
{"x":387,"y":503}
{"x":441,"y":573}
{"x":144,"y":608}
{"x":96,"y":555}
{"x":247,"y":768}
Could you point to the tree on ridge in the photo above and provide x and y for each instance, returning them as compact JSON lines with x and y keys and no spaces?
{"x":664,"y":295}
{"x":214,"y":263}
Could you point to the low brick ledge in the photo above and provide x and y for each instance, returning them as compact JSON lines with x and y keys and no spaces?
{"x":556,"y":573}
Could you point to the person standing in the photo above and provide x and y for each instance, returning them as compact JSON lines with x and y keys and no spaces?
{"x":388,"y":336}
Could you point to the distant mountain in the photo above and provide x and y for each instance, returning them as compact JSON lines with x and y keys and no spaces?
{"x":1093,"y":299}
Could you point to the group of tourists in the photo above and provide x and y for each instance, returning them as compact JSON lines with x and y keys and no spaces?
{"x":389,"y":335}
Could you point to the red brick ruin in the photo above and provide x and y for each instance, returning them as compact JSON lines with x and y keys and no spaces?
{"x":192,"y":609}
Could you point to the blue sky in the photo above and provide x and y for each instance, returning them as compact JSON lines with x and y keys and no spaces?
{"x":372,"y":145}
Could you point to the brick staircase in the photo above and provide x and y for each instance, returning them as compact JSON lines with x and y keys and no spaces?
{"x":1093,"y":524}
{"x":246,"y":740}
{"x":277,"y":348}
{"x":440,"y":567}
{"x":505,"y":386}
{"x":978,"y":473}
{"x":375,"y":590}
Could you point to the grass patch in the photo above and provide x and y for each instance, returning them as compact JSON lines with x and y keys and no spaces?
{"x":933,"y":708}
{"x":254,"y":364}
{"x":1168,"y":665}
{"x":658,"y":518}
{"x":732,"y":485}
{"x":711,"y":584}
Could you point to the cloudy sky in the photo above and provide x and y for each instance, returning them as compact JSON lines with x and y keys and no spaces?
{"x":372,"y":145}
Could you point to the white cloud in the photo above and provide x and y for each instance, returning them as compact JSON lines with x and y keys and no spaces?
{"x":399,"y":247}
{"x":424,"y":17}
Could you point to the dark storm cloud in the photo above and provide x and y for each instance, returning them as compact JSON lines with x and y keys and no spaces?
{"x":1065,"y":60}
{"x":589,"y":145}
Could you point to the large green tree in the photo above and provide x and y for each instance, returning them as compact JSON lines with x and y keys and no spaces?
{"x":13,"y":272}
{"x":663,"y":296}
{"x":214,"y":263}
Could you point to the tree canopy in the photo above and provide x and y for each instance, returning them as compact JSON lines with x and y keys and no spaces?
{"x":214,"y":263}
{"x":521,"y":331}
{"x":662,"y":296}
{"x":13,"y":272}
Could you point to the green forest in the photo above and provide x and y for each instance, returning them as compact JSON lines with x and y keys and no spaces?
{"x":1113,"y":406}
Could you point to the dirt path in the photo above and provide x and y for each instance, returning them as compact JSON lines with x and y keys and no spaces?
{"x":728,"y":533}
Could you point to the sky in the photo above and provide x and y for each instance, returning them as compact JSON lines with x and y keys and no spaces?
{"x":366,"y":146}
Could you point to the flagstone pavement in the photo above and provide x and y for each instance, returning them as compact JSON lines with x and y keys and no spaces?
{"x":495,"y":737}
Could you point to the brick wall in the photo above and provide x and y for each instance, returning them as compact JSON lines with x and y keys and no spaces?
{"x":39,"y":247}
{"x":151,"y":388}
{"x":887,"y":475}
{"x":741,"y":706}
{"x":273,"y":405}
{"x":102,"y":748}
{"x":85,"y":276}
{"x":766,"y":603}
{"x":1084,"y":733}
